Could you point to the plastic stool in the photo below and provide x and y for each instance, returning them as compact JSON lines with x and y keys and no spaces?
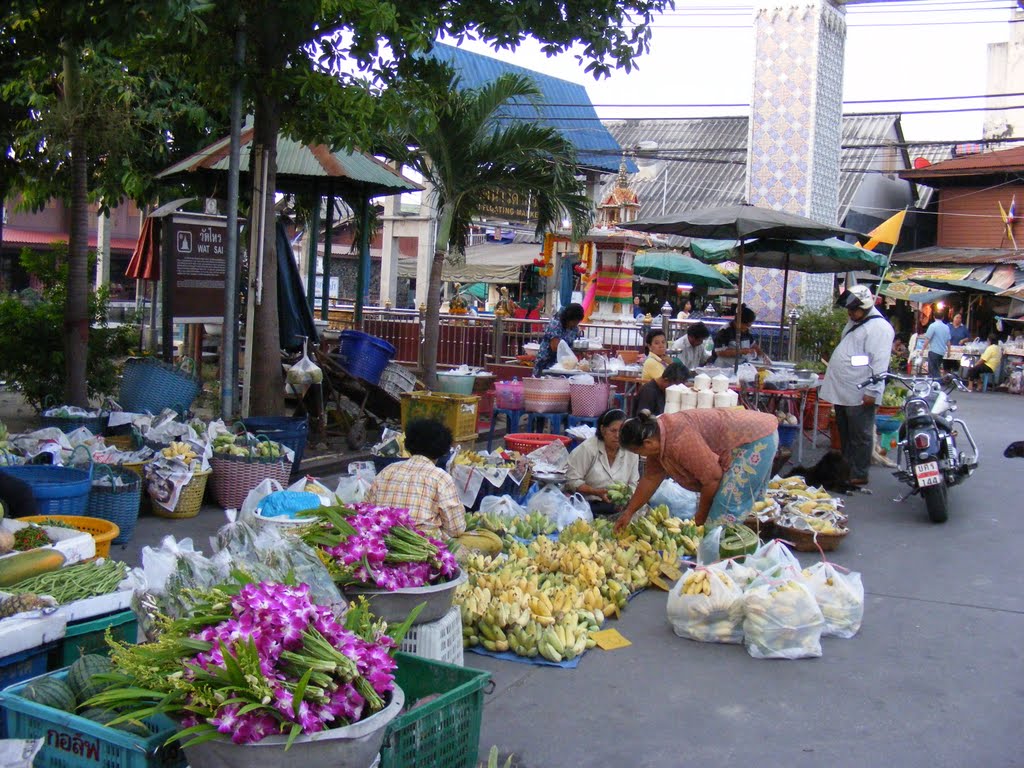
{"x":986,"y":379}
{"x":575,"y":421}
{"x":557,"y":422}
{"x":620,"y":400}
{"x":512,"y":419}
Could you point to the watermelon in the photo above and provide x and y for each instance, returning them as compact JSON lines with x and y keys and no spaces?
{"x":737,"y":540}
{"x":104,"y":716}
{"x":81,"y":675}
{"x":50,"y":692}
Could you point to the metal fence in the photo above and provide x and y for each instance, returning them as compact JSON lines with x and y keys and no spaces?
{"x":478,"y":340}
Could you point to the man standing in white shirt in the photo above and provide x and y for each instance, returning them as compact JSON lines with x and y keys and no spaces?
{"x":867,"y":334}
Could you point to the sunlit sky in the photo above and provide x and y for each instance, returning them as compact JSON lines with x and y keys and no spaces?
{"x":702,"y":53}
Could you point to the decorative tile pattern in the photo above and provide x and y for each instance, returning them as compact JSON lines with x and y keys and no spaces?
{"x":795,"y":131}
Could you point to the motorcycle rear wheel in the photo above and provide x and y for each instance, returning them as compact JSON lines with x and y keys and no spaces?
{"x":936,"y":502}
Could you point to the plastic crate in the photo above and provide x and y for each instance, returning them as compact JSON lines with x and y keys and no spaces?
{"x":71,"y":741}
{"x":457,"y":412}
{"x":19,"y":667}
{"x":443,"y":733}
{"x":439,"y":640}
{"x":82,"y":637}
{"x":396,"y":379}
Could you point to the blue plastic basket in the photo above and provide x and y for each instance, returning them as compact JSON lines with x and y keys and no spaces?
{"x":885,"y":423}
{"x":289,"y":431}
{"x":19,"y":667}
{"x":57,"y":490}
{"x":117,"y":504}
{"x":787,"y":434}
{"x":152,"y":385}
{"x":71,"y":741}
{"x":363,"y":355}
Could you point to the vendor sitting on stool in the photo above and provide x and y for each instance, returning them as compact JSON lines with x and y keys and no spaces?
{"x":989,"y":363}
{"x":417,"y":484}
{"x":651,"y":396}
{"x":599,"y":462}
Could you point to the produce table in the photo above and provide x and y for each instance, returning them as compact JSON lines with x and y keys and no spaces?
{"x":772,"y":400}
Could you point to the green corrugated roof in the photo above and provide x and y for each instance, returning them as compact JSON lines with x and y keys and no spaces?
{"x":300,"y":165}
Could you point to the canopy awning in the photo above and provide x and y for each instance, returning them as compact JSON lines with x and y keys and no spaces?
{"x":496,"y":263}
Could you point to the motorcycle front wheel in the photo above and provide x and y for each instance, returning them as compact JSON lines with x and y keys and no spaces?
{"x":936,"y":502}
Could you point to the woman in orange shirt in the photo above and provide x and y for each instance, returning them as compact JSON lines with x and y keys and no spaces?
{"x":724,"y":455}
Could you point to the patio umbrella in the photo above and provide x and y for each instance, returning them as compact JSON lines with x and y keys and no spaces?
{"x":676,"y":268}
{"x":740,"y":223}
{"x":821,"y":256}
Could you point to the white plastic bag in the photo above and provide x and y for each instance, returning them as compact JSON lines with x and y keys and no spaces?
{"x":709,"y":550}
{"x":578,"y":508}
{"x":680,"y":502}
{"x":565,"y":356}
{"x":712,"y":611}
{"x":304,"y":373}
{"x":770,"y":554}
{"x":558,"y":508}
{"x":505,"y":506}
{"x":255,"y":496}
{"x":746,"y":373}
{"x":783,"y":621}
{"x":352,"y":489}
{"x":309,"y":484}
{"x":840,"y":597}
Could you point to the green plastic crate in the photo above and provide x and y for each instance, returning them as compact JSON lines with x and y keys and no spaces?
{"x":443,"y":733}
{"x":71,"y":741}
{"x":84,"y":637}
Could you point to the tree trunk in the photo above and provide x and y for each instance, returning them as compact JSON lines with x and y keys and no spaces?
{"x":267,"y":379}
{"x":432,"y":331}
{"x":76,"y":308}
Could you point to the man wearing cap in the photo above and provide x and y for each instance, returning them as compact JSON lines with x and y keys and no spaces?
{"x":867,"y":334}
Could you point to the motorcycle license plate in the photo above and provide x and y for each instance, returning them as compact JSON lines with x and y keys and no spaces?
{"x":927,"y":474}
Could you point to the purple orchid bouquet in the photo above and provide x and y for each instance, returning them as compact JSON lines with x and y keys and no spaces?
{"x":379,"y":547}
{"x":255,"y":660}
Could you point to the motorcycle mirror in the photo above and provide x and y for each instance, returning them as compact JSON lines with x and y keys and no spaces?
{"x":860,"y":361}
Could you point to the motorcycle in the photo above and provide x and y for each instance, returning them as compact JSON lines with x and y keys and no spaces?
{"x":928,"y":458}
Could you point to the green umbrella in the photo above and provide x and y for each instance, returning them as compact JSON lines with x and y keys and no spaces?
{"x":831,"y":255}
{"x":477,"y":290}
{"x":676,"y":268}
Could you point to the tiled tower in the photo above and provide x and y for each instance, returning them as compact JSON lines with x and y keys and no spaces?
{"x":795,"y":131}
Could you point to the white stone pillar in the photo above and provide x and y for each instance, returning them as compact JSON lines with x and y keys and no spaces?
{"x":389,"y":252}
{"x":102,"y":250}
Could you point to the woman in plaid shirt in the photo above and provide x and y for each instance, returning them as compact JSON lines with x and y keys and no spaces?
{"x":418,"y":484}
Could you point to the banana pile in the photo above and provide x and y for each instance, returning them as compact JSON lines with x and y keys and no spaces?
{"x":783,"y":621}
{"x":227,"y":444}
{"x":505,"y":460}
{"x":178,"y":450}
{"x":660,"y":529}
{"x":533,"y":524}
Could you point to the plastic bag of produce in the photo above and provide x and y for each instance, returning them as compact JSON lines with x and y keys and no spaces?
{"x":255,"y":496}
{"x":708,"y":551}
{"x":770,"y":554}
{"x":312,"y":485}
{"x":556,"y":506}
{"x":707,"y":605}
{"x":287,"y":559}
{"x":782,"y":621}
{"x":578,"y":508}
{"x":840,"y":597}
{"x":352,"y":489}
{"x":680,"y":502}
{"x":566,"y":357}
{"x":304,"y":373}
{"x":505,"y":506}
{"x":742,"y":574}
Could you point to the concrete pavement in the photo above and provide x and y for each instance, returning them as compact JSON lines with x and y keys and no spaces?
{"x":935,"y":678}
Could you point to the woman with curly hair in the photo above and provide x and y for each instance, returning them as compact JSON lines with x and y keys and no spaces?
{"x":724,"y":455}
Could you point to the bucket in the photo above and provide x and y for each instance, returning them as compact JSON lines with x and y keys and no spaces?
{"x":290,"y":431}
{"x":589,"y":400}
{"x":509,"y":395}
{"x":363,"y":355}
{"x":456,"y":384}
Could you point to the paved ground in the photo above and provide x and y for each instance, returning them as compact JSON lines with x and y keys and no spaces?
{"x":935,"y":678}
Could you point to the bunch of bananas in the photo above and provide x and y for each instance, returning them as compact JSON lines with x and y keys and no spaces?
{"x":480,"y":521}
{"x":619,"y":494}
{"x":182,"y":451}
{"x":658,"y":528}
{"x":697,"y":582}
{"x":263,"y":449}
{"x":534,"y":524}
{"x":708,"y":607}
{"x":474,"y":459}
{"x":782,"y":621}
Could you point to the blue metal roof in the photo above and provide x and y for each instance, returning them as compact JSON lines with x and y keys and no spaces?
{"x":596,"y":148}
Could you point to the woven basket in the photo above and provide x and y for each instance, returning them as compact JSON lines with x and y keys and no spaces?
{"x":589,"y":400}
{"x":102,"y":531}
{"x":546,"y":395}
{"x":804,"y":541}
{"x":120,"y":504}
{"x":528,"y":442}
{"x":235,"y":476}
{"x":190,"y":500}
{"x":151,"y":385}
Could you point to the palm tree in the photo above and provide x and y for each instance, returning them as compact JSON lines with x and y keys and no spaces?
{"x":467,"y":149}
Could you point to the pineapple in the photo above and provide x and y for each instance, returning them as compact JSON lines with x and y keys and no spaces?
{"x":9,"y":606}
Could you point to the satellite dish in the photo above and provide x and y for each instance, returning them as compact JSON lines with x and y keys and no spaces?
{"x":921,"y":162}
{"x":648,"y":169}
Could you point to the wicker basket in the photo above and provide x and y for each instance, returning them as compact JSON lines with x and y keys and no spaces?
{"x":235,"y":476}
{"x":117,"y":504}
{"x":528,"y":442}
{"x":151,"y":385}
{"x":190,"y":500}
{"x":809,"y":541}
{"x":102,"y":531}
{"x":546,"y":395}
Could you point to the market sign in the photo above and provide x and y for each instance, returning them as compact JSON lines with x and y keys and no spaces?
{"x":899,"y":281}
{"x":196,"y":265}
{"x":506,"y":205}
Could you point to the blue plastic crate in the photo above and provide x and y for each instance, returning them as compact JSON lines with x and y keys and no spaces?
{"x":75,"y":742}
{"x":19,"y":667}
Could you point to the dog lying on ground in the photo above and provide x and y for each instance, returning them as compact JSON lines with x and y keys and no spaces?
{"x":832,"y":472}
{"x":1015,"y":450}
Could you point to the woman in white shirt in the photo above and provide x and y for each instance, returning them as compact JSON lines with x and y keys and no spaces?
{"x":599,"y":462}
